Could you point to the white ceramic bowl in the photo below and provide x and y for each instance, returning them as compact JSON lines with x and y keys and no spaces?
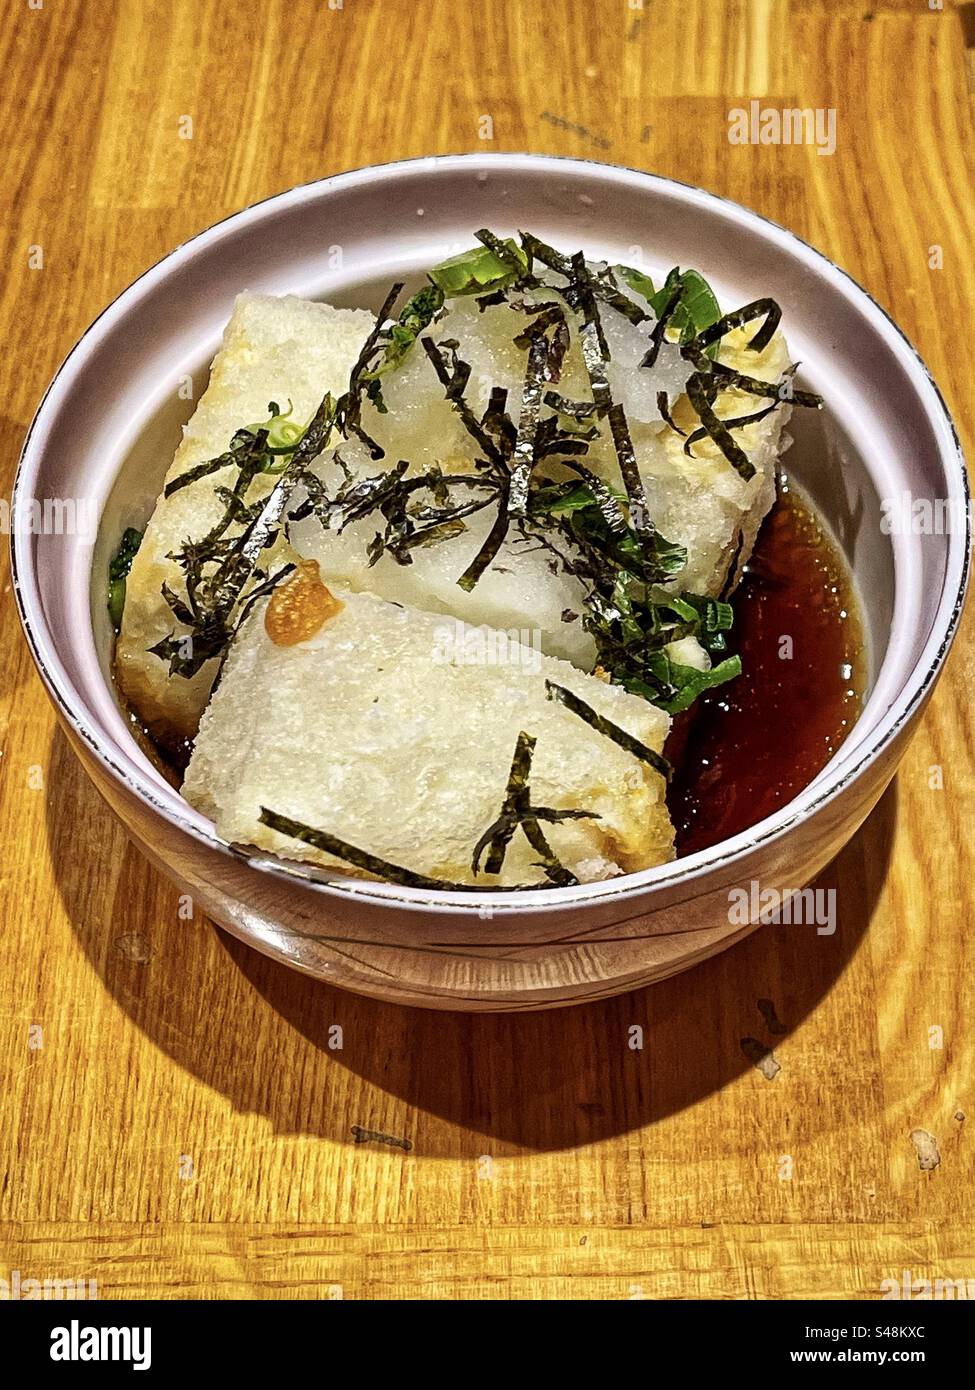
{"x":106,"y":431}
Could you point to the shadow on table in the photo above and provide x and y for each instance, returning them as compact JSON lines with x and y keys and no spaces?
{"x":545,"y":1081}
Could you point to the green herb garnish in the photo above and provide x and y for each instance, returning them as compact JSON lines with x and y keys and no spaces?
{"x":636,"y":281}
{"x":118,"y":571}
{"x":417,"y":314}
{"x":484,"y":268}
{"x":689,"y":682}
{"x":632,"y":619}
{"x":697,"y":309}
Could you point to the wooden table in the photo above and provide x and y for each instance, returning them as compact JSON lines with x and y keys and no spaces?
{"x":177,"y":1119}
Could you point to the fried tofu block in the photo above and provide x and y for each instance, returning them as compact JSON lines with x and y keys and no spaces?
{"x":523,"y":591}
{"x":291,"y":349}
{"x":699,"y":501}
{"x":274,"y":349}
{"x":394,"y":730}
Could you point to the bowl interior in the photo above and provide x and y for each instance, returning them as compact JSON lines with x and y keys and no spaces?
{"x":112,"y":420}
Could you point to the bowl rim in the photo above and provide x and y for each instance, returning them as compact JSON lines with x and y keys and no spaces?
{"x":912,"y":692}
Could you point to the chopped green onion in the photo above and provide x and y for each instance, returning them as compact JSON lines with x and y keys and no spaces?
{"x":690,"y":682}
{"x":636,"y":281}
{"x":478,"y":270}
{"x":118,"y":570}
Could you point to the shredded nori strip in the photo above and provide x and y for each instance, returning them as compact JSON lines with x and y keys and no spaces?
{"x":633,"y":482}
{"x":230,"y":459}
{"x":608,"y":729}
{"x":584,"y":299}
{"x":700,"y":396}
{"x":349,"y":408}
{"x":489,"y":550}
{"x":261,"y":591}
{"x":593,"y":358}
{"x":738,"y":317}
{"x":486,"y":301}
{"x":391,"y":494}
{"x":577,"y":410}
{"x":548,"y":860}
{"x":524,"y":456}
{"x":504,"y":253}
{"x":542,"y":316}
{"x":730,"y":423}
{"x":495,"y":420}
{"x":545,"y":317}
{"x":574,"y":269}
{"x":660,"y":327}
{"x":498,"y":835}
{"x":551,"y":439}
{"x":754,"y":386}
{"x":535,"y":248}
{"x":663,"y":405}
{"x":453,"y":382}
{"x":558,"y":347}
{"x":517,"y":810}
{"x":622,"y":303}
{"x":118,"y":571}
{"x":351,"y":854}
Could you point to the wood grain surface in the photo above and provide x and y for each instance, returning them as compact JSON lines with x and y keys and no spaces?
{"x":178,"y":1113}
